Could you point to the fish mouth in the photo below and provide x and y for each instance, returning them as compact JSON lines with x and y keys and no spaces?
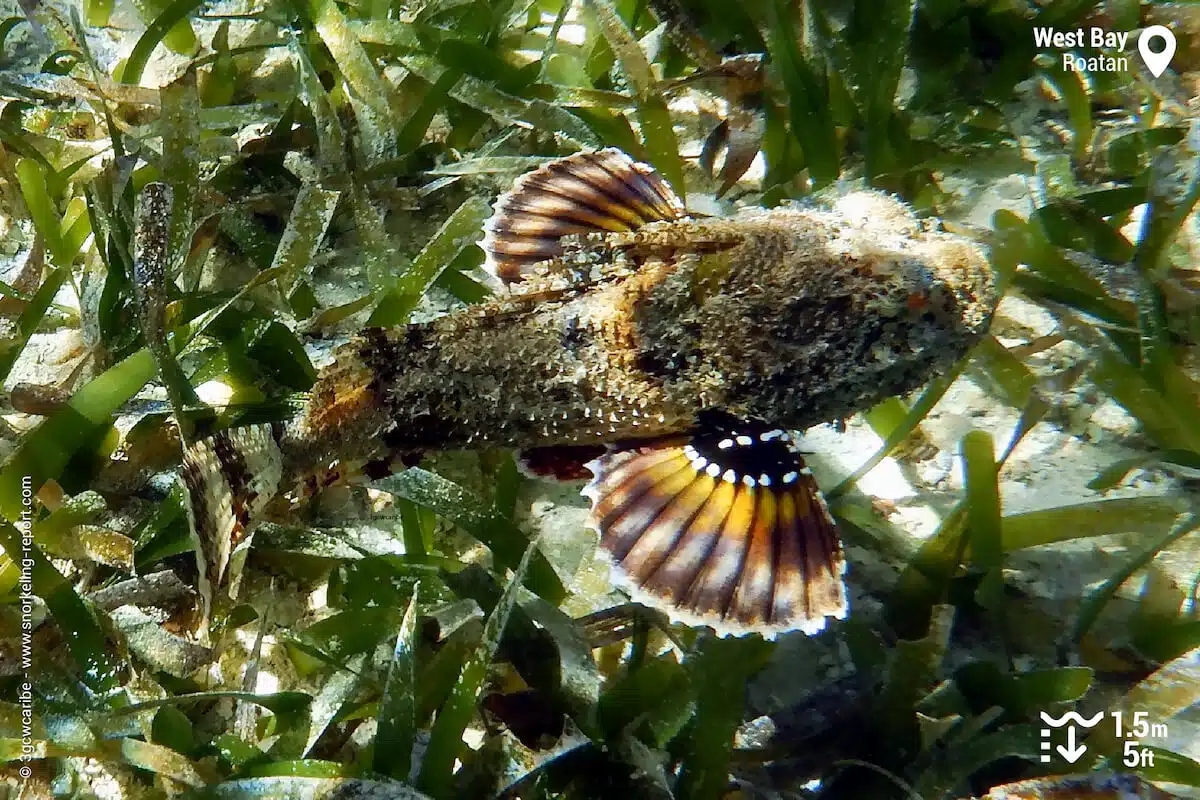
{"x":962,"y":270}
{"x":948,"y":270}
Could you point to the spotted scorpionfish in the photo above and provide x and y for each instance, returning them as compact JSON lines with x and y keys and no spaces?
{"x":676,"y":352}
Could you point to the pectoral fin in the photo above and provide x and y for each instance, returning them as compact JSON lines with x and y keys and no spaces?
{"x":728,"y":530}
{"x":583,"y":193}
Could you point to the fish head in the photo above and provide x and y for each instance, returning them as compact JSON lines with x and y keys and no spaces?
{"x":806,"y":315}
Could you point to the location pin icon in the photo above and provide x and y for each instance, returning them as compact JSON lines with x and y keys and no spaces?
{"x":1156,"y":62}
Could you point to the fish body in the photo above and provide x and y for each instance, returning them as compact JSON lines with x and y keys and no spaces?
{"x":689,"y":347}
{"x":792,"y":316}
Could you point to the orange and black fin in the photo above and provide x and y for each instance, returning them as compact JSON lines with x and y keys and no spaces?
{"x":229,"y":478}
{"x":583,"y":193}
{"x":728,"y":530}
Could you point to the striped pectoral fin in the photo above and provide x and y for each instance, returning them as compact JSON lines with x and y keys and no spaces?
{"x":728,"y":530}
{"x":604,"y":191}
{"x":809,"y":562}
{"x":229,"y":478}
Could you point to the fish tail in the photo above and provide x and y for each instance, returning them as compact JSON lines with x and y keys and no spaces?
{"x":228,"y":480}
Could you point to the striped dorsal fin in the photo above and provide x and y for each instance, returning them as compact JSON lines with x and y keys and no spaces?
{"x":582,"y":193}
{"x":726,"y":530}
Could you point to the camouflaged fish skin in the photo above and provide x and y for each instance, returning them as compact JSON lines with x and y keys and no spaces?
{"x":798,"y":316}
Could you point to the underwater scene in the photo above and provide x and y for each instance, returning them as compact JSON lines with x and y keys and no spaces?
{"x":590,"y":399}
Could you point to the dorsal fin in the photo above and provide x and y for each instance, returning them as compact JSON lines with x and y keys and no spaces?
{"x":601,"y":191}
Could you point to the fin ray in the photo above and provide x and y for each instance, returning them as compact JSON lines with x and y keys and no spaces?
{"x":661,"y":537}
{"x":686,"y":561}
{"x":657,"y":485}
{"x":713,"y":588}
{"x":602,"y":191}
{"x":757,"y":581}
{"x":727,"y":530}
